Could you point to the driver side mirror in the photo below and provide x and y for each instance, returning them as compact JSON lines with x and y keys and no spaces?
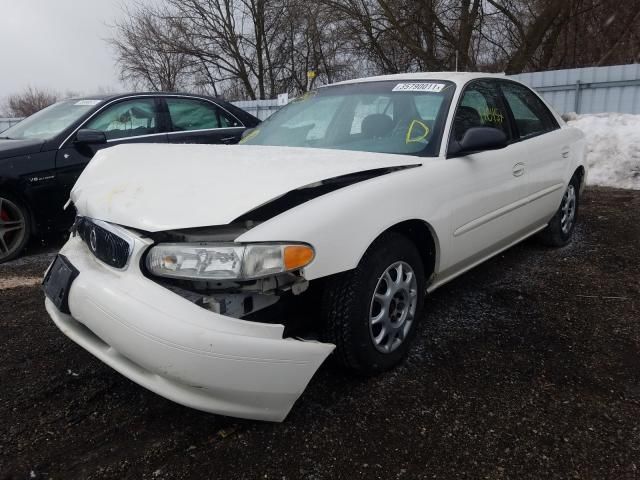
{"x":478,"y":139}
{"x":90,"y":136}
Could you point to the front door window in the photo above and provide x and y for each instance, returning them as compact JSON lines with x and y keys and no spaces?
{"x":480,"y":107}
{"x":130,"y":118}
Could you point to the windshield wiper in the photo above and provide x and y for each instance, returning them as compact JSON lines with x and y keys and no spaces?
{"x":6,"y":138}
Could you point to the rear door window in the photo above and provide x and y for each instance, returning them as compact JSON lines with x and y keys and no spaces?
{"x":531,"y":115}
{"x":192,"y":114}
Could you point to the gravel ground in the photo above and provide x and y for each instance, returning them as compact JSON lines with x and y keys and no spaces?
{"x":526,"y":367}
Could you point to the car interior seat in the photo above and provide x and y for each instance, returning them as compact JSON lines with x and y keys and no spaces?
{"x":376,"y":125}
{"x":466,"y":118}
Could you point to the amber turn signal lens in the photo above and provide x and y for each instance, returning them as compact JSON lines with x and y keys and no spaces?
{"x":297,"y":256}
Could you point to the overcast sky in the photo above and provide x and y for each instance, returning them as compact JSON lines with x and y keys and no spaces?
{"x":57,"y":44}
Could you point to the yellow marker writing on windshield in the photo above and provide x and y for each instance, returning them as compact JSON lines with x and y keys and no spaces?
{"x":418,"y":138}
{"x":250,"y":135}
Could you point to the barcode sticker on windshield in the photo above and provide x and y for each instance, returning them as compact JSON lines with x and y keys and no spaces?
{"x":418,"y":87}
{"x":87,"y":102}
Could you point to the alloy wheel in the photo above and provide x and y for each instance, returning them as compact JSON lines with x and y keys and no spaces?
{"x":568,"y":208}
{"x":393,"y":307}
{"x":12,"y":227}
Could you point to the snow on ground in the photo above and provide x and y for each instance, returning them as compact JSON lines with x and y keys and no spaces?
{"x":613,"y":148}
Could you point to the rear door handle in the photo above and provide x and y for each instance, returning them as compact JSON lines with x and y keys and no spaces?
{"x":518,"y":169}
{"x":227,"y":139}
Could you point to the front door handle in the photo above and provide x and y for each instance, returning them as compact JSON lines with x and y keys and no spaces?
{"x":227,"y":139}
{"x":518,"y":169}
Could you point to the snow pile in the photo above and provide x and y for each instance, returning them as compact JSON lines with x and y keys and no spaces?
{"x":613,"y":148}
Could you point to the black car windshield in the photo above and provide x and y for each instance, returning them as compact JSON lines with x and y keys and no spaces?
{"x":402,"y":117}
{"x":50,"y":121}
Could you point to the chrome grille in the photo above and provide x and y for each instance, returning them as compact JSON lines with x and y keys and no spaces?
{"x":103,"y":242}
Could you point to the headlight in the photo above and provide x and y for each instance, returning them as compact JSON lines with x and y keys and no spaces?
{"x":204,"y":261}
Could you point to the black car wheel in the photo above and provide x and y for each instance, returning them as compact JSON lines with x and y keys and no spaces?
{"x":15,"y":227}
{"x":371,"y":313}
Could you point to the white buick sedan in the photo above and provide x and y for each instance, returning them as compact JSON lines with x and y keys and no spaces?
{"x":221,"y":277}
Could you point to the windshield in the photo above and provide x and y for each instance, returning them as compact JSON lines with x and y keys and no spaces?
{"x":50,"y":121}
{"x":403,"y":117}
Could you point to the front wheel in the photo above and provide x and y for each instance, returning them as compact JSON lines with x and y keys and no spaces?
{"x":14,"y":227}
{"x":560,"y":228}
{"x":371,"y":313}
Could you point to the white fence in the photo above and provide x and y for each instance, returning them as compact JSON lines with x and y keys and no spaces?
{"x":580,"y":90}
{"x":8,"y":122}
{"x":589,"y":90}
{"x":261,"y":109}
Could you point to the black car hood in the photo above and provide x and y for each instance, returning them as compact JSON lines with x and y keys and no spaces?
{"x":14,"y":148}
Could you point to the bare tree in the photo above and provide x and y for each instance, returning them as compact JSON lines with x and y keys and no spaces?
{"x":530,"y":27}
{"x":143,"y":46}
{"x":495,"y":35}
{"x":28,"y":102}
{"x":311,"y":42}
{"x":236,"y":48}
{"x":601,"y":32}
{"x":215,"y":34}
{"x":406,"y":35}
{"x":259,"y":48}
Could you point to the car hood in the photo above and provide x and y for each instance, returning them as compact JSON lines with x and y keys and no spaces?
{"x":14,"y":148}
{"x":166,"y":187}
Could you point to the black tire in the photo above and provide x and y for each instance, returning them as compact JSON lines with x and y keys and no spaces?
{"x":13,"y":242}
{"x":347,"y":305}
{"x":554,"y":235}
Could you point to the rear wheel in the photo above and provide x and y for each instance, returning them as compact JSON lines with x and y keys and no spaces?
{"x":14,"y":227}
{"x":371,"y":313}
{"x":560,"y":228}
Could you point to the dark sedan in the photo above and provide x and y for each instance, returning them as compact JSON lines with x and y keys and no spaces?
{"x":42,"y":156}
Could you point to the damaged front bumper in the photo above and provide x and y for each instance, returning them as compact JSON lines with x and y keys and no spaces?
{"x":179,"y":350}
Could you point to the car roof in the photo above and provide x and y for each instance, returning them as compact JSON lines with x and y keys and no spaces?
{"x":116,"y":96}
{"x":459,"y":78}
{"x":243,"y":115}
